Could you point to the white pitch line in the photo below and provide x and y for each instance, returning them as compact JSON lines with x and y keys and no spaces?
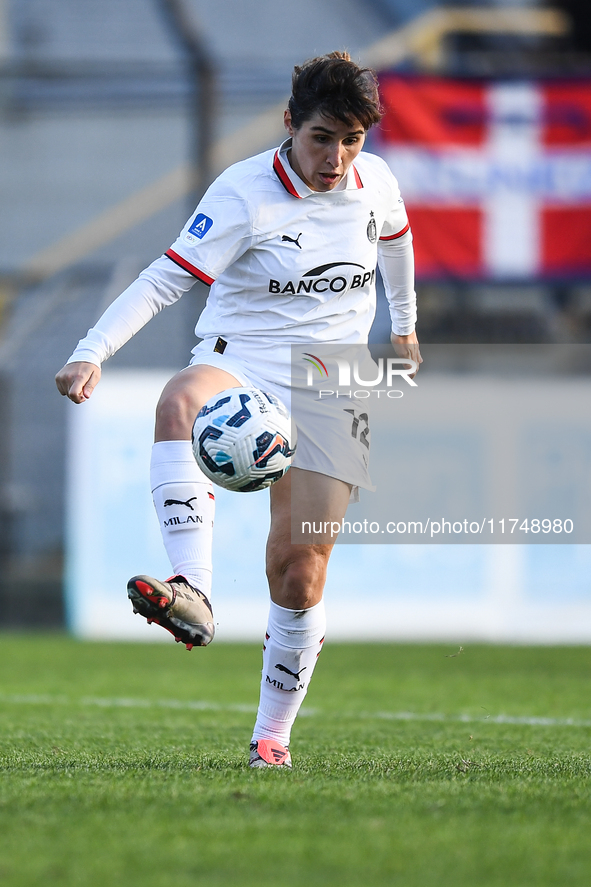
{"x":202,"y":705}
{"x":531,"y":721}
{"x":106,"y":702}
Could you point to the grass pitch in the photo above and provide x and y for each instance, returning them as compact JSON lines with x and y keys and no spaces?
{"x":126,"y":764}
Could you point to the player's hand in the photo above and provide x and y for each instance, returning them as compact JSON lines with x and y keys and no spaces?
{"x":78,"y":380}
{"x":408,"y":346}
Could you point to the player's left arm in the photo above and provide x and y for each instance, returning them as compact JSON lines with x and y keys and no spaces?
{"x":396,"y":263}
{"x":408,"y":346}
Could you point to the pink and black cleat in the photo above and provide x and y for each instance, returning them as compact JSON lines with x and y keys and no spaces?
{"x":269,"y":753}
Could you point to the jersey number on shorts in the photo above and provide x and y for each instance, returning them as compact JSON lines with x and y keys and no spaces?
{"x":360,"y":420}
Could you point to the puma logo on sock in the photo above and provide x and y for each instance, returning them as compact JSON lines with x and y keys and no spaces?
{"x":180,"y":502}
{"x":294,"y":674}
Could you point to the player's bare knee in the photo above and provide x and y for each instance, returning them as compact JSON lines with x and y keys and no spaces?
{"x":298,"y":578}
{"x":175,"y":415}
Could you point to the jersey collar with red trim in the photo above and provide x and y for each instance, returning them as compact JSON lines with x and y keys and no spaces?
{"x":292,"y":182}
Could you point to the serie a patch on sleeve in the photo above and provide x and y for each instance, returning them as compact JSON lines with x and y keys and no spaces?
{"x":199,"y":228}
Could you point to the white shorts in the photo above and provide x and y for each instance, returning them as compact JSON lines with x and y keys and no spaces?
{"x":333,"y":433}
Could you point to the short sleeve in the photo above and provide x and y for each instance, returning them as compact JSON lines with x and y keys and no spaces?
{"x":217,"y":234}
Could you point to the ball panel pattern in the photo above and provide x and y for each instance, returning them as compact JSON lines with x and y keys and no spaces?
{"x":243,"y":439}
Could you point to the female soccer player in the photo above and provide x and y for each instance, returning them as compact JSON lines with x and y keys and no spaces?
{"x":288,"y":242}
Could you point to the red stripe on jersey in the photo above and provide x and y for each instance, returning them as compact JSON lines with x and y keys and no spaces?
{"x":283,"y":177}
{"x":358,"y":181}
{"x":400,"y":233}
{"x":178,"y":260}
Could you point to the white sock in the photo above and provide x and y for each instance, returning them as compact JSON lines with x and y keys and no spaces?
{"x":292,"y":645}
{"x":185,"y":505}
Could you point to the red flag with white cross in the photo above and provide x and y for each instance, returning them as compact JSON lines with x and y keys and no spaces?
{"x":496,"y":175}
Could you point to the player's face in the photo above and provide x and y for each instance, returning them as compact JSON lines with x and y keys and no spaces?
{"x":323,"y":149}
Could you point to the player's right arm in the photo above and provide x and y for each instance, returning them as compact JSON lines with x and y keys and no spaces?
{"x":161,"y":284}
{"x":78,"y":380}
{"x":198,"y":254}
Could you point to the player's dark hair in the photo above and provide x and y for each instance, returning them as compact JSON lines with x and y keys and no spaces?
{"x":334,"y":86}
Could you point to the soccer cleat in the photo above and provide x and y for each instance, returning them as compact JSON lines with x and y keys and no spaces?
{"x":269,"y":753}
{"x":175,"y":605}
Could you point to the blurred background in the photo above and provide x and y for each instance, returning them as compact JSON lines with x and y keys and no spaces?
{"x":115,"y":115}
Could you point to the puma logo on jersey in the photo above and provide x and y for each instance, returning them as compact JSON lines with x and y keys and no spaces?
{"x":294,"y":674}
{"x":180,"y":502}
{"x":288,"y":239}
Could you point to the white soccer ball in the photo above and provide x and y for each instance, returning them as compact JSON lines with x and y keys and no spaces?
{"x":243,"y":439}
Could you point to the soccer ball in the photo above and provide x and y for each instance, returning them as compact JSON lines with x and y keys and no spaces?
{"x":243,"y":439}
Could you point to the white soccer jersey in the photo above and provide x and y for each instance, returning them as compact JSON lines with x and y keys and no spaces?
{"x":285,"y":264}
